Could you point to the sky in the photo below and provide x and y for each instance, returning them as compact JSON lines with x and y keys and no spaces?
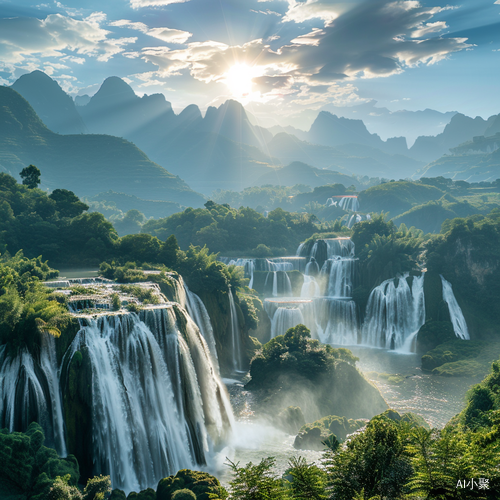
{"x":280,"y":58}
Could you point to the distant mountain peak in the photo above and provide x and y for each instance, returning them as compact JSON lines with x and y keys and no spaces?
{"x":113,"y":90}
{"x":55,"y":107}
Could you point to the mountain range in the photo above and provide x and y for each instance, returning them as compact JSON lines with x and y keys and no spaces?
{"x":84,"y":163}
{"x":224,"y":150}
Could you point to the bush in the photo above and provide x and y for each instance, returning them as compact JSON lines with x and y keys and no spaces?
{"x":183,"y":494}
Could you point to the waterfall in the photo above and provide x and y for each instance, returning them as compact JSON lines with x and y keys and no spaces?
{"x":289,"y":312}
{"x":235,"y":335}
{"x":456,"y":316}
{"x":29,"y":391}
{"x":312,"y":268}
{"x":340,"y":273}
{"x":198,"y":312}
{"x":247,"y":264}
{"x":336,"y":321}
{"x":158,"y":404}
{"x":349,"y":203}
{"x":394,"y":313}
{"x":285,"y":318}
{"x":310,"y":288}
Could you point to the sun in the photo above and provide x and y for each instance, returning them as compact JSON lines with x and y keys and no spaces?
{"x":238,"y":79}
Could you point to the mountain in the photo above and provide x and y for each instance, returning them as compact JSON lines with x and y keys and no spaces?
{"x":349,"y":158}
{"x":460,"y":129}
{"x":54,"y":107}
{"x":116,"y":110}
{"x":388,"y":123}
{"x":85,"y":164}
{"x":301,"y":173}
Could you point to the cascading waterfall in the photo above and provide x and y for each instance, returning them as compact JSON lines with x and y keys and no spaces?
{"x":336,"y":321}
{"x":158,"y":404}
{"x":340,"y":273}
{"x":349,"y":203}
{"x":456,"y":315}
{"x":198,"y":312}
{"x":310,"y":288}
{"x":235,"y":336}
{"x":289,"y":312}
{"x":29,"y":391}
{"x":394,"y":312}
{"x":285,"y":318}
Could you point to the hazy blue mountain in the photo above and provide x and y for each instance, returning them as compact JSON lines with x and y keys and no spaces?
{"x":116,"y":110}
{"x":85,"y":164}
{"x":54,"y":107}
{"x":301,"y":173}
{"x":386,"y":123}
{"x":348,"y":158}
{"x":474,"y":161}
{"x":460,"y":129}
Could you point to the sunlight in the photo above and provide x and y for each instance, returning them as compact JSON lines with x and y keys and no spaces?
{"x":239,"y":80}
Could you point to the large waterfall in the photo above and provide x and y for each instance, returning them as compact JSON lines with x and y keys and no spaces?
{"x":395,"y":312}
{"x":156,"y":401}
{"x":456,"y":316}
{"x":29,"y":391}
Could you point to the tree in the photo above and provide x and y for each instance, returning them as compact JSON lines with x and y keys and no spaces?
{"x":30,"y":176}
{"x":257,"y":482}
{"x":67,"y":203}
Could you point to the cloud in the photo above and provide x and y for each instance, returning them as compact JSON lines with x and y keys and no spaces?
{"x":138,"y":4}
{"x":300,"y":11}
{"x":374,"y":39}
{"x":168,"y":35}
{"x":54,"y":36}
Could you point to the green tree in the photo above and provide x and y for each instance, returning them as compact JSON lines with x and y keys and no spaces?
{"x":308,"y":481}
{"x":30,"y":176}
{"x":67,"y":203}
{"x":257,"y":482}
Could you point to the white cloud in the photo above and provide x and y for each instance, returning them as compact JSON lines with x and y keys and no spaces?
{"x":138,"y":4}
{"x":168,"y":35}
{"x":300,"y":11}
{"x":426,"y":29}
{"x":54,"y":36}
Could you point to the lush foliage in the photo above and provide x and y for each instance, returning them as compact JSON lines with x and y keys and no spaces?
{"x":222,"y":228}
{"x":296,"y":352}
{"x":26,"y":307}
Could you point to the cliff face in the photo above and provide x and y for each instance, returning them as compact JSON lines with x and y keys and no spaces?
{"x":469,"y":258}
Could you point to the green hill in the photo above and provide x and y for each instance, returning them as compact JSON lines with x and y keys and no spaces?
{"x":397,"y":197}
{"x":85,"y":164}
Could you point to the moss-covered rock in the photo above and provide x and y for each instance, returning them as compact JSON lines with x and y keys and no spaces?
{"x":183,"y":494}
{"x":148,"y":494}
{"x":76,"y":387}
{"x":117,"y":495}
{"x":202,"y":484}
{"x":290,"y":419}
{"x":311,"y":436}
{"x":433,"y":333}
{"x":461,"y":358}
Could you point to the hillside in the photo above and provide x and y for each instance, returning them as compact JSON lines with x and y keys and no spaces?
{"x":85,"y":164}
{"x":397,"y":197}
{"x":301,"y":173}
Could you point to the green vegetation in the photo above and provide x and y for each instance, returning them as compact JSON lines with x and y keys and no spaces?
{"x":30,"y":176}
{"x":203,"y":485}
{"x":26,"y":307}
{"x":28,"y":469}
{"x":224,"y":229}
{"x":295,"y":366}
{"x":461,"y":358}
